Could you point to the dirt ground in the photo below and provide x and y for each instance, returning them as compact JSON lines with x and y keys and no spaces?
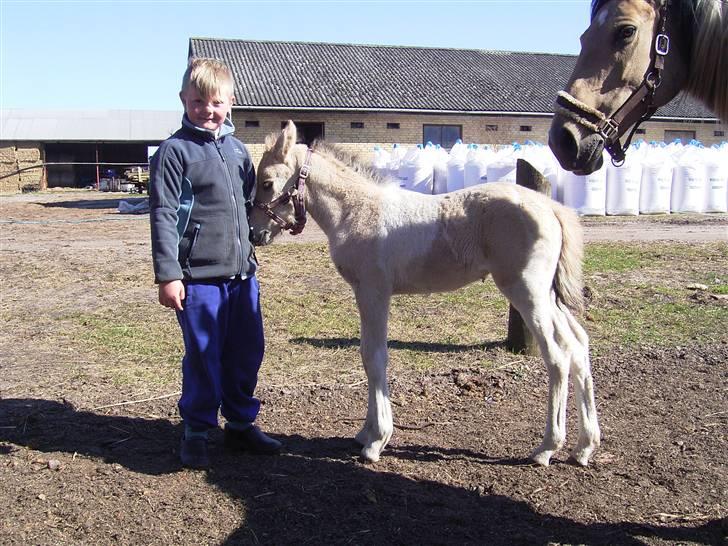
{"x":77,"y":468}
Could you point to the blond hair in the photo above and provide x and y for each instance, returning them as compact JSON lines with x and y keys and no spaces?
{"x":210,"y":77}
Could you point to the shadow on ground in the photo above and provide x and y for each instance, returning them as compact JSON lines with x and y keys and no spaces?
{"x":317,"y":492}
{"x":93,"y":204}
{"x":347,"y":342}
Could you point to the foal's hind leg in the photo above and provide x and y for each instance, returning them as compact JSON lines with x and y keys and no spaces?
{"x":589,"y":435}
{"x":537,"y":311}
{"x":378,"y":427}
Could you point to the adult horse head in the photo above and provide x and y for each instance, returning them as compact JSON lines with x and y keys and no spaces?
{"x":636,"y":56}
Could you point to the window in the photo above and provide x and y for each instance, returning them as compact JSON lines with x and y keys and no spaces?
{"x":526,"y":128}
{"x":682,"y":136}
{"x":392,"y":125}
{"x":719,"y":133}
{"x":444,"y":135}
{"x":252,"y":123}
{"x":640,"y":132}
{"x":357,"y":125}
{"x":491,"y":128}
{"x":308,"y":131}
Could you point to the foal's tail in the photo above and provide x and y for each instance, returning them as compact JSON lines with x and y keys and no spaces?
{"x":568,"y":283}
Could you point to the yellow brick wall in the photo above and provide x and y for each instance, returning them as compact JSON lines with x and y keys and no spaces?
{"x":475,"y":128}
{"x":26,"y":157}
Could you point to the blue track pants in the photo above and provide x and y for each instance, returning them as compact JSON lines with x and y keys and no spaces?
{"x":222,"y":327}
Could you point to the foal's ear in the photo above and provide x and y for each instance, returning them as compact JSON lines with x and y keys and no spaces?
{"x":286,"y":140}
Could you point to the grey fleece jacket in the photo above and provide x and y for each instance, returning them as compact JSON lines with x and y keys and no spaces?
{"x":199,"y":188}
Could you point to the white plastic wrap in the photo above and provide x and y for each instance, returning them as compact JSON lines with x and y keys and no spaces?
{"x":476,"y":166}
{"x":587,"y":195}
{"x":623,"y":186}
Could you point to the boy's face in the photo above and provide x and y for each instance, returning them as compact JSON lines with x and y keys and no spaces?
{"x":206,"y":112}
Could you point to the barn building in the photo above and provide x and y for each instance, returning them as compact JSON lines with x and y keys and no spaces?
{"x":360,"y":96}
{"x":367,"y":95}
{"x":82,"y":146}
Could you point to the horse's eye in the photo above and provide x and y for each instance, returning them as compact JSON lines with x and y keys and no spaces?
{"x":627,"y":32}
{"x":267,"y":185}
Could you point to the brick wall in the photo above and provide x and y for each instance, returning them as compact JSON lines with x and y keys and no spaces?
{"x":479,"y":129}
{"x":15,"y":156}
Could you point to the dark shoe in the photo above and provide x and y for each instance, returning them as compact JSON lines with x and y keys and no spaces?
{"x":193,"y":453}
{"x":252,"y":439}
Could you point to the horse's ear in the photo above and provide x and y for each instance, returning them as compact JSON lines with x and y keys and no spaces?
{"x":285,"y":140}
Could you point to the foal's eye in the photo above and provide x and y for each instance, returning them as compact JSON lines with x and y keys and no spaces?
{"x":626,"y":33}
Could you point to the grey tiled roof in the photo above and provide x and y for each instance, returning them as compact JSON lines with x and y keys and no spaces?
{"x":372,"y":77}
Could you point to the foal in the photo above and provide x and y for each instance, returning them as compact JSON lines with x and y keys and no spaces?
{"x":386,"y":241}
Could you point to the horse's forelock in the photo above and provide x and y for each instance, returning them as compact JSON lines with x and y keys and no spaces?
{"x":596,"y":5}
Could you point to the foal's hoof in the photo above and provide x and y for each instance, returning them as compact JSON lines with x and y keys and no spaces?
{"x":370,"y":454}
{"x":541,"y":458}
{"x":581,"y":457}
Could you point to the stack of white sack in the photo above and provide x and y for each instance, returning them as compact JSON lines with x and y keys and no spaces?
{"x":716,"y":167}
{"x":586,"y":194}
{"x":656,"y":183}
{"x":656,"y":178}
{"x":456,"y":166}
{"x":476,"y":165}
{"x":623,"y":184}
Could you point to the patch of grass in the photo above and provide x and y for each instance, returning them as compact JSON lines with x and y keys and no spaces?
{"x":139,"y":346}
{"x":654,"y":316}
{"x":312,"y":323}
{"x":608,"y":258}
{"x":719,"y":288}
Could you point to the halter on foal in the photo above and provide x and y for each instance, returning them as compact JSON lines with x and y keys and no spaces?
{"x":297,"y":192}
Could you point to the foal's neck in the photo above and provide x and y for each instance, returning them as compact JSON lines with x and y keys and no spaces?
{"x":334,"y":196}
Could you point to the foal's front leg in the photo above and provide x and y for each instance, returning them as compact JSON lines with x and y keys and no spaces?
{"x":378,"y":427}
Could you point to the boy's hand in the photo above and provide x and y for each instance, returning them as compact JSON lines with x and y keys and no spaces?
{"x":171,"y":294}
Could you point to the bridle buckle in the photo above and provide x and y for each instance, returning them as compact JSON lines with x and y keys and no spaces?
{"x":304,"y":172}
{"x":662,"y":44}
{"x":609,"y":130}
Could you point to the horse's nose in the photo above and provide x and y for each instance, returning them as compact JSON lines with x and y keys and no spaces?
{"x":565,"y":146}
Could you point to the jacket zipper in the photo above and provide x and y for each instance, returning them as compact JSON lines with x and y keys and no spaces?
{"x":239,"y":254}
{"x":195,"y":234}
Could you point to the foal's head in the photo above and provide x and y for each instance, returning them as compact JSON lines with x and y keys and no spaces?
{"x":617,"y":52}
{"x":275,"y":176}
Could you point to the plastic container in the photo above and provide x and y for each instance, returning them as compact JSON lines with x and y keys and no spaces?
{"x":689,"y":182}
{"x":395,"y":161}
{"x":502,"y":168}
{"x":381,"y":162}
{"x":623,"y":186}
{"x":656,"y":180}
{"x":416,"y":171}
{"x":587,"y":195}
{"x":476,"y":166}
{"x":456,"y":167}
{"x":439,"y":170}
{"x":716,"y":174}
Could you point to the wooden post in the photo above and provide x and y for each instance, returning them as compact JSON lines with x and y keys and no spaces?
{"x":519,"y":338}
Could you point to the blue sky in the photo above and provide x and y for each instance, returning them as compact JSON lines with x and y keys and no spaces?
{"x":129,"y":54}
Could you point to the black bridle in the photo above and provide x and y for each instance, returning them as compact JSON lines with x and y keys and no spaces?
{"x":638,"y":108}
{"x":297,"y":194}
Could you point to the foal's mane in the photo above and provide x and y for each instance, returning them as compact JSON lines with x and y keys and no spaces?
{"x":353,"y":161}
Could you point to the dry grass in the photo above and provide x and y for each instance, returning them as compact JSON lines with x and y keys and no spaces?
{"x":83,"y":295}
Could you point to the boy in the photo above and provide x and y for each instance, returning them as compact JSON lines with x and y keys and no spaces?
{"x":202,"y":179}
